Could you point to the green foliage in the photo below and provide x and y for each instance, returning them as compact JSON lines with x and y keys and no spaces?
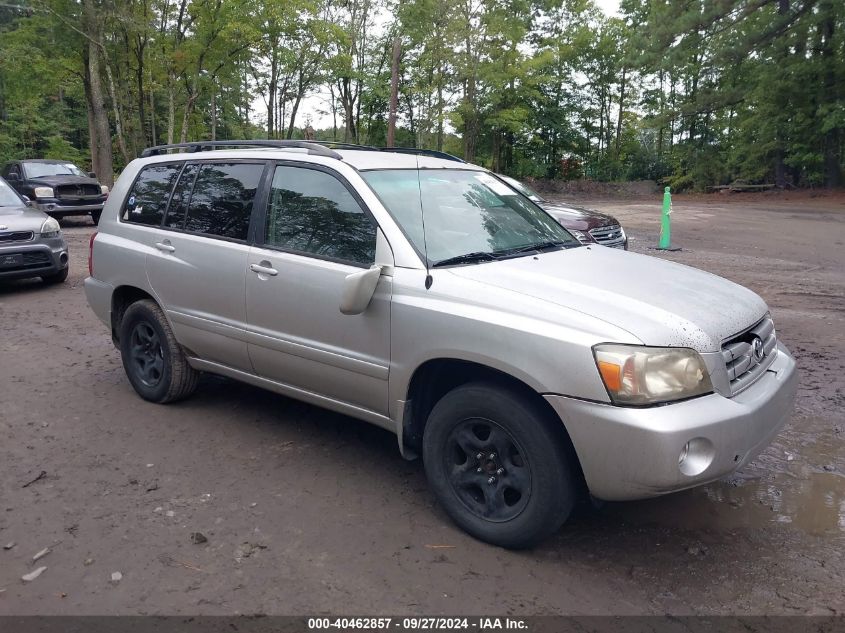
{"x":697,"y":93}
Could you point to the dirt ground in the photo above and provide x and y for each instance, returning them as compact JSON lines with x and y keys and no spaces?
{"x":309,"y":512}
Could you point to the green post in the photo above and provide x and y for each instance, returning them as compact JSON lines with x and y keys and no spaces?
{"x":665,"y":222}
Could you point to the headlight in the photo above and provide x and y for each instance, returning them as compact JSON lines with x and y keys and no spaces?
{"x":44,"y":192}
{"x":636,"y":375}
{"x":580,"y":236}
{"x":104,"y":190}
{"x":50,"y":228}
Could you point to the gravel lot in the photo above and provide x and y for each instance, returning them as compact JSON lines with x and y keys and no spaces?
{"x":309,"y":512}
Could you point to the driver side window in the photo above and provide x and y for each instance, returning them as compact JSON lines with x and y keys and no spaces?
{"x":312,"y":212}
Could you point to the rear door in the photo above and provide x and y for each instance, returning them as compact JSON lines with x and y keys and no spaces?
{"x":316,"y":232}
{"x":199,"y":258}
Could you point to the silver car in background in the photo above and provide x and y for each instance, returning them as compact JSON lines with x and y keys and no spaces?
{"x":31,"y":242}
{"x":426,"y":297}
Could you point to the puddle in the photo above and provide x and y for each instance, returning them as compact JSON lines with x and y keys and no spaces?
{"x":786,"y":485}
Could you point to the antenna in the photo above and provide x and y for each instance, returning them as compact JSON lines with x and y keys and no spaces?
{"x":428,"y":278}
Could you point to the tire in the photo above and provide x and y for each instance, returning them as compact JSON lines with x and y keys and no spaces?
{"x":154,"y":362}
{"x":57,"y":278}
{"x":535,"y":490}
{"x":95,"y":216}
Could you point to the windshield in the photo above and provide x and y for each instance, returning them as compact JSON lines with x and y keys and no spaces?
{"x":522,"y":188}
{"x":37,"y":170}
{"x":8,"y":197}
{"x":467,"y":214}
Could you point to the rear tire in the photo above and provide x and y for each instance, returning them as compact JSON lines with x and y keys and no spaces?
{"x":152,"y":358}
{"x":56,"y":278}
{"x":498,"y":465}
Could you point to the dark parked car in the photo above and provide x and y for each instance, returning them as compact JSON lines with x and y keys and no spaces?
{"x":31,"y":242}
{"x":590,"y":227}
{"x":57,"y":187}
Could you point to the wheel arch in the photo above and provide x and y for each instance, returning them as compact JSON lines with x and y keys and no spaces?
{"x":123,"y":297}
{"x":435,"y":377}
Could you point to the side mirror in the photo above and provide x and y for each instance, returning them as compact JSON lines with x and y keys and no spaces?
{"x":13,"y":177}
{"x":92,"y":174}
{"x":27,"y":201}
{"x":358,"y":290}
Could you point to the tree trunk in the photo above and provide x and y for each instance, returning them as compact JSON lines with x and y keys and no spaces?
{"x":101,"y":142}
{"x":621,"y":108}
{"x":394,"y":93}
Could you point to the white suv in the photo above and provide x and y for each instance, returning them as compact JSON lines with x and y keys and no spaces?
{"x":427,"y":297}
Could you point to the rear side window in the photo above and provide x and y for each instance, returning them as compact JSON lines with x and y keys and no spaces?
{"x":181,"y":196}
{"x":222,"y":199}
{"x":313,"y":212}
{"x":148,"y":198}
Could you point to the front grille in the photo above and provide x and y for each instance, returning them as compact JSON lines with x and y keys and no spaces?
{"x":31,"y":259}
{"x":610,"y":235}
{"x":77,"y":192}
{"x":16,"y":236}
{"x":744,"y":363}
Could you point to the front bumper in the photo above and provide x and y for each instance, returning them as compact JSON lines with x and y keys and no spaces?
{"x":56,"y":207}
{"x":628,"y":453}
{"x":42,"y":258}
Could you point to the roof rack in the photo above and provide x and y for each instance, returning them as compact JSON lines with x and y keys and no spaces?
{"x":399,"y":150}
{"x":423,"y":152}
{"x":201,"y":146}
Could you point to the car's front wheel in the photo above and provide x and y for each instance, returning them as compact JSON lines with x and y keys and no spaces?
{"x":95,"y":216}
{"x":498,"y":465}
{"x":152,"y":358}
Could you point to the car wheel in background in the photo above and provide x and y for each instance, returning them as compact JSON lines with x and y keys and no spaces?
{"x":95,"y":216}
{"x":57,"y":278}
{"x":498,"y":465}
{"x":154,"y":362}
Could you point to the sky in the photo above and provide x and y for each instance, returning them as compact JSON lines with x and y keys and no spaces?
{"x":610,"y":7}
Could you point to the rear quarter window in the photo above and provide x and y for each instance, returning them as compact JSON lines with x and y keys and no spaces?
{"x":148,"y":198}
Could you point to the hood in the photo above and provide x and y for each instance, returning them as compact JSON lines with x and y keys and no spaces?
{"x":577,"y":217}
{"x":658,"y":302}
{"x":21,"y":219}
{"x":55,"y":181}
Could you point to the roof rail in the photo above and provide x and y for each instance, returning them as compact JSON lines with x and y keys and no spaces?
{"x":340,"y":145}
{"x":423,"y":152}
{"x":399,"y":150}
{"x":201,"y":146}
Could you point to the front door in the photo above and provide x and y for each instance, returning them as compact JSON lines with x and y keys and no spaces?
{"x":317,"y":232}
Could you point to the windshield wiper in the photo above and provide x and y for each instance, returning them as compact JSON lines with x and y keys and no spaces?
{"x":542,"y":246}
{"x":467,"y":258}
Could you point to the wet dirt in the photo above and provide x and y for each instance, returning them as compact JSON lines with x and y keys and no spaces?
{"x":309,"y":512}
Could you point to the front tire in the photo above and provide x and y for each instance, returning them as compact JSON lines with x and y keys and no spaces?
{"x":498,"y":464}
{"x":95,"y":216}
{"x":152,"y":358}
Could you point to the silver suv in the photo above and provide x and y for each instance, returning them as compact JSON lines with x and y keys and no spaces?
{"x":427,"y":297}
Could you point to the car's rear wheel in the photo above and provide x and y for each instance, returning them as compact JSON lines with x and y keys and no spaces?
{"x":498,"y":465}
{"x":95,"y":216}
{"x":56,"y":278}
{"x":152,"y":358}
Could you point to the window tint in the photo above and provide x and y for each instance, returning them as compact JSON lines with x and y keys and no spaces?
{"x":181,"y":196}
{"x":222,"y":200}
{"x":312,"y":212}
{"x":149,"y":195}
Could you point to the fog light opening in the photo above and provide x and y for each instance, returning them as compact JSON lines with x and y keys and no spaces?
{"x":63,"y":258}
{"x":696,"y":456}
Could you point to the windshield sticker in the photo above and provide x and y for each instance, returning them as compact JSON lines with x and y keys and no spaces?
{"x":495,"y":185}
{"x":138,"y":210}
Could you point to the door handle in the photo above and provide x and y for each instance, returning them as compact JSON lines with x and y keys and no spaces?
{"x":165,"y":246}
{"x":264,"y":270}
